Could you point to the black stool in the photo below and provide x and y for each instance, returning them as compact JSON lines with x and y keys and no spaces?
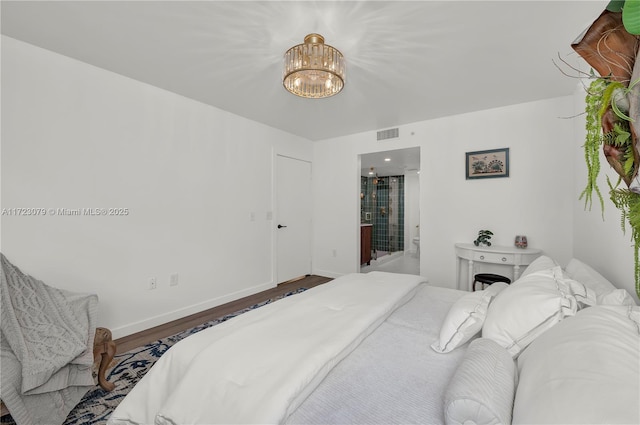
{"x":488,"y":279}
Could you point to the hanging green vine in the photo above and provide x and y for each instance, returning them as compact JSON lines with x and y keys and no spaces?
{"x":593,"y":141}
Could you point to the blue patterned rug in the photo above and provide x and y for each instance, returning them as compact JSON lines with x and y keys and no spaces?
{"x":97,"y":405}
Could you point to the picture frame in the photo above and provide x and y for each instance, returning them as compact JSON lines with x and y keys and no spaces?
{"x":486,"y":164}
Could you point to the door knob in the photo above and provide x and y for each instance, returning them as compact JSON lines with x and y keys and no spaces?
{"x":280,"y":226}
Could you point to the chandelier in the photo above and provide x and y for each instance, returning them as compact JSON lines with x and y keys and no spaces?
{"x":313,"y":69}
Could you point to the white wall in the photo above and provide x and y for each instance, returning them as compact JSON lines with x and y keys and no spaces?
{"x":76,"y":136}
{"x":537,"y":199}
{"x":600,"y":243}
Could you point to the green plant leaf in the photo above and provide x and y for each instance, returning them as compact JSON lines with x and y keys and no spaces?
{"x":622,"y":136}
{"x":615,"y":5}
{"x":628,"y":164}
{"x":631,"y":16}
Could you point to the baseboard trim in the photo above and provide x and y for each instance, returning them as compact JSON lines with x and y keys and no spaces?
{"x":170,"y":316}
{"x":327,"y":273}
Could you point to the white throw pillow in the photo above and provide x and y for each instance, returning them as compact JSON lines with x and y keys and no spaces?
{"x":606,"y":292}
{"x":465,"y":318}
{"x":539,"y":264}
{"x":584,"y":370}
{"x":523,"y":311}
{"x":616,"y":297}
{"x":482,"y":388}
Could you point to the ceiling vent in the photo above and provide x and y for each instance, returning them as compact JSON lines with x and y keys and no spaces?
{"x":392,"y":133}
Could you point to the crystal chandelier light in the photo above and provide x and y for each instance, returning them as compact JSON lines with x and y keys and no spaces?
{"x":313,"y":69}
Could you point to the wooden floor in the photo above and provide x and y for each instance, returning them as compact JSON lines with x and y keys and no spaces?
{"x":141,"y":338}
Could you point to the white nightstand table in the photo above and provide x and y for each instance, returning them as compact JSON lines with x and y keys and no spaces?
{"x":505,"y":255}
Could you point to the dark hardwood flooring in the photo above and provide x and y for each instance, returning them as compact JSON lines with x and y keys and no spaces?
{"x":141,"y":338}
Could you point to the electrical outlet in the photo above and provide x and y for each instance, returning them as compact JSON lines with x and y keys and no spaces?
{"x":153,"y":283}
{"x":173,"y":279}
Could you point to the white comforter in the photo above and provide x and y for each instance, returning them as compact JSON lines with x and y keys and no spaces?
{"x":260,"y":366}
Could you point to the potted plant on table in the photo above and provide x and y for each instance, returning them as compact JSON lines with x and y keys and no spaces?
{"x":484,"y":238}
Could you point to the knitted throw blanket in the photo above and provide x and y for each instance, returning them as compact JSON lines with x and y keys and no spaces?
{"x":47,"y":346}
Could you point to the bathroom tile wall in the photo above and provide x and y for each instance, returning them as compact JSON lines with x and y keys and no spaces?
{"x":366,"y":204}
{"x":382,"y":204}
{"x":381,"y":215}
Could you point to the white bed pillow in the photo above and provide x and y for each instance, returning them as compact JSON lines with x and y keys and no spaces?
{"x":584,"y":370}
{"x":465,"y":318}
{"x":523,"y":311}
{"x":482,"y":388}
{"x":539,"y":264}
{"x":606,"y":292}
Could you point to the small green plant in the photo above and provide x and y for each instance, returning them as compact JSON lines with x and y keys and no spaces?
{"x":484,"y":238}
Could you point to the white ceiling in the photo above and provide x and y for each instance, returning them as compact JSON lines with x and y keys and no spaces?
{"x":406,"y":61}
{"x":396,"y":162}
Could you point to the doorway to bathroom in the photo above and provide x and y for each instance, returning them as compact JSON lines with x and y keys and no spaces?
{"x":390,"y":211}
{"x":383,"y":207}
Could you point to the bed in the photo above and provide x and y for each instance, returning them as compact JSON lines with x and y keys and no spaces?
{"x":398,"y":308}
{"x":389,"y":348}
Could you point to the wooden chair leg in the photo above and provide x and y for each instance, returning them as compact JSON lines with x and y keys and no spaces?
{"x":104,"y":348}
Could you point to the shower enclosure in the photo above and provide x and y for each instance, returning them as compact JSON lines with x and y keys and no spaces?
{"x":382,"y":204}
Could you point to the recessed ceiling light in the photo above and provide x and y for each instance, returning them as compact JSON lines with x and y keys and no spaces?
{"x":387,"y":159}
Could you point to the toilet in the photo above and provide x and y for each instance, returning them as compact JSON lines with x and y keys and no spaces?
{"x":416,"y":241}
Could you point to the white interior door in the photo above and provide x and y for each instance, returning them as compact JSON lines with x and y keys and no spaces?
{"x":293,"y":224}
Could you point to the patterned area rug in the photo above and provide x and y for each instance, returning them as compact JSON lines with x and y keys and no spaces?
{"x":97,"y":405}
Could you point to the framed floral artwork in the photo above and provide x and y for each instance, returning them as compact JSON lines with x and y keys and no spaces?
{"x":487,"y":164}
